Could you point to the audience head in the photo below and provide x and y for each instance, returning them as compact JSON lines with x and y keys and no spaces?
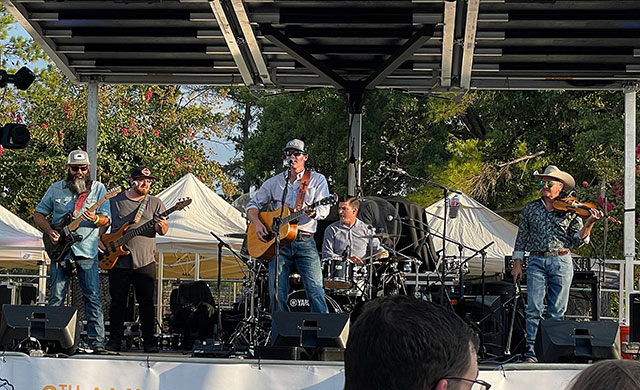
{"x":400,"y":342}
{"x":608,"y":374}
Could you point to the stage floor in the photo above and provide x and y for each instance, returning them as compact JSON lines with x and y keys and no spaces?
{"x":170,"y":371}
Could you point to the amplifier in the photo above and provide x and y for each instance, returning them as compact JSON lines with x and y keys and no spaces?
{"x":13,"y":293}
{"x":430,"y":278}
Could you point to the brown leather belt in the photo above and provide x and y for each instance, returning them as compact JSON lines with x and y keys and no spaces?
{"x":303,"y":235}
{"x":550,"y":253}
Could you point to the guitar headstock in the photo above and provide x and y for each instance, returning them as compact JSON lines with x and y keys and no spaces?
{"x":182,"y":203}
{"x":329,"y":200}
{"x":113,"y":192}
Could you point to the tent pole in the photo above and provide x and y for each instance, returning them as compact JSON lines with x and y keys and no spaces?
{"x":197,"y":274}
{"x":42,"y":282}
{"x":159,"y":291}
{"x":629,"y":193}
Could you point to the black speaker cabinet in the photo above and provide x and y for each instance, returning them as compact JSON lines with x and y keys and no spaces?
{"x":574,"y":341}
{"x":56,"y":328}
{"x":310,"y":330}
{"x":634,"y":322}
{"x":13,"y":293}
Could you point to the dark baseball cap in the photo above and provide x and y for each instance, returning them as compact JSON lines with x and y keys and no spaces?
{"x":141,"y":172}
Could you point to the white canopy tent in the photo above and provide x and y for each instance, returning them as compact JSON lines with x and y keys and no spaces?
{"x":474,"y":227}
{"x":189,"y":250}
{"x":21,"y":246}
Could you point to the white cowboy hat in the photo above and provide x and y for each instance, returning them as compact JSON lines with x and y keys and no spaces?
{"x":556,"y":173}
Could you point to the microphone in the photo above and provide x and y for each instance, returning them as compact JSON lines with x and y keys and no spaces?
{"x":454,"y":206}
{"x":289,"y":161}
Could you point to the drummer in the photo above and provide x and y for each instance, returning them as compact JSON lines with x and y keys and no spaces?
{"x":349,"y":237}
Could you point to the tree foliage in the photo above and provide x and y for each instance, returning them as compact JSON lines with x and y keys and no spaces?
{"x":487,"y":144}
{"x":158,"y":126}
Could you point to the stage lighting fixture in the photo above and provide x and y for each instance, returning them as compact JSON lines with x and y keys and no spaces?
{"x":22,"y":79}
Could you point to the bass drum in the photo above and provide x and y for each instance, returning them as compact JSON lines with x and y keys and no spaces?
{"x":298,"y":302}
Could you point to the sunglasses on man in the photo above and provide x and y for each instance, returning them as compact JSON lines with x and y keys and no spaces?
{"x":76,"y":168}
{"x":546,"y":183}
{"x":293,"y":153}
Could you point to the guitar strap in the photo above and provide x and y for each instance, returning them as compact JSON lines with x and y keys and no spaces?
{"x":304,"y":184}
{"x":141,"y":208}
{"x":80,"y":201}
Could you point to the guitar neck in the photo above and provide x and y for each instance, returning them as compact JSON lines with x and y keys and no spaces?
{"x":131,"y":233}
{"x":298,"y":213}
{"x":76,"y":222}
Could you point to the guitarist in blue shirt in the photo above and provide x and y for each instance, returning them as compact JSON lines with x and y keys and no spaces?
{"x":75,"y":195}
{"x":302,"y":251}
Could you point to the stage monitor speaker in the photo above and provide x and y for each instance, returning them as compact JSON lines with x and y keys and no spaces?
{"x":310,"y":330}
{"x":55,"y":328}
{"x":634,"y":322}
{"x":577,"y":342}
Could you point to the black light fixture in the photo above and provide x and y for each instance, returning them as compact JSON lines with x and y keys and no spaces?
{"x":22,"y":79}
{"x":16,"y":135}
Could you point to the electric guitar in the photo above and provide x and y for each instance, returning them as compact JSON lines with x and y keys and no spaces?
{"x":57,"y":251}
{"x":114,"y":242}
{"x":288,"y":229}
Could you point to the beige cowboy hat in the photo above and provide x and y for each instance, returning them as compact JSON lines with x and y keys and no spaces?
{"x":556,"y":173}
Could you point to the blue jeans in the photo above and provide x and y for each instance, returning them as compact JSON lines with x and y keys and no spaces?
{"x":90,"y":284}
{"x":554,"y":274}
{"x":303,"y":253}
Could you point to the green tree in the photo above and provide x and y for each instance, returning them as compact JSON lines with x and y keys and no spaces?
{"x":159,"y":126}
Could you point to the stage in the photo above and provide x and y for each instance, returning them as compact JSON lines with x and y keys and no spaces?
{"x":170,"y":372}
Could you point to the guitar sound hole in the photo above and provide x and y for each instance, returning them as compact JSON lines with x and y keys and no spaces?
{"x":269,"y":237}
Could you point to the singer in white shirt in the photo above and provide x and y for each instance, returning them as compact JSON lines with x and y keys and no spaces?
{"x":302,"y":251}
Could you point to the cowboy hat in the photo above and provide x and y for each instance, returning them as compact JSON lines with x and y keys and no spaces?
{"x":556,"y":173}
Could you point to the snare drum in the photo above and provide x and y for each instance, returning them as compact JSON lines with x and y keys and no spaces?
{"x":298,"y":302}
{"x":337,"y":273}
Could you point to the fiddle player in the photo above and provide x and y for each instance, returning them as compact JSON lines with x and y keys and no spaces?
{"x":548,"y":236}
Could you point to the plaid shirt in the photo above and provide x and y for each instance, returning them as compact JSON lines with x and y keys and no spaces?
{"x":545,"y":231}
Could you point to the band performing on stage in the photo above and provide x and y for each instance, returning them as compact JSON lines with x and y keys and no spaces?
{"x":302,"y":258}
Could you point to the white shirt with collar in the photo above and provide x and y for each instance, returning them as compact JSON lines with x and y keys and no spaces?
{"x":270,"y":193}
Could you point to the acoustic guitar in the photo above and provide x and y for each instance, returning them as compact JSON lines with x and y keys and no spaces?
{"x":57,"y":251}
{"x":114,"y":242}
{"x":288,"y":229}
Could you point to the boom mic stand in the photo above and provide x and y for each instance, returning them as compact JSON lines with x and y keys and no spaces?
{"x":221,"y":244}
{"x":251,"y":321}
{"x":445,"y":194}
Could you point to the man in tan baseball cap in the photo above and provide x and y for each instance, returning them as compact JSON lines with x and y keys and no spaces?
{"x":69,"y":199}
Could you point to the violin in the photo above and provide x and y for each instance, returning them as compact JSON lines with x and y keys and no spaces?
{"x":571,"y":204}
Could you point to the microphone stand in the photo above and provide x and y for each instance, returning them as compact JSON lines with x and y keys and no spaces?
{"x":372,"y":231}
{"x":222,"y":244}
{"x":275,"y":228}
{"x":445,"y":193}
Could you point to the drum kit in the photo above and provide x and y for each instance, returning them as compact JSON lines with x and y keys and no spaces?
{"x":346,"y":283}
